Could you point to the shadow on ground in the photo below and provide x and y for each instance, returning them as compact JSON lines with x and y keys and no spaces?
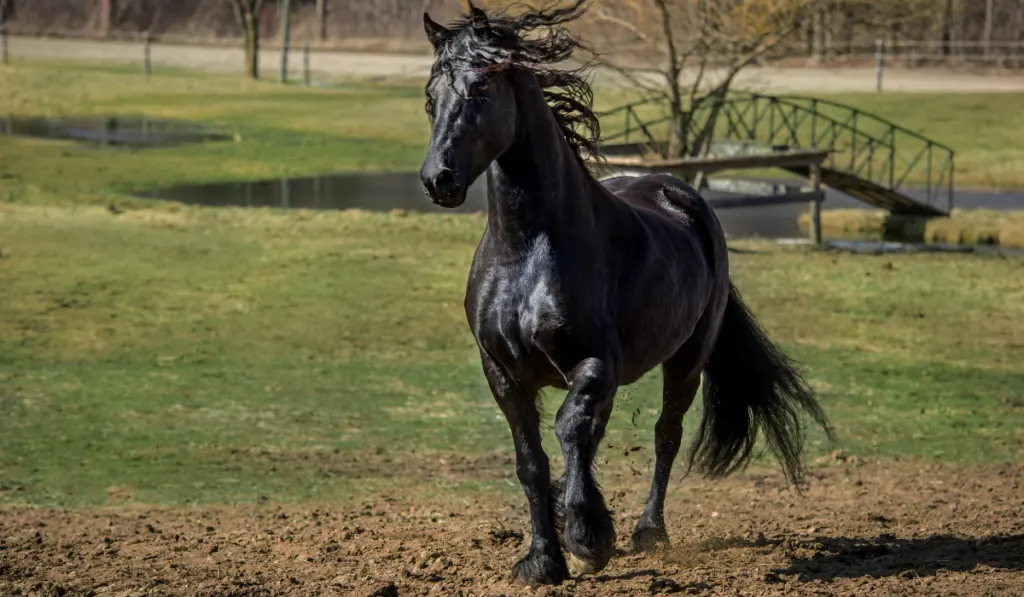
{"x":885,"y":555}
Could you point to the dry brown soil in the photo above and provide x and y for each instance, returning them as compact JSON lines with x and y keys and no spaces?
{"x":880,"y":528}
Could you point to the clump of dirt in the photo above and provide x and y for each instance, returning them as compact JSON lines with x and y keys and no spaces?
{"x":870,"y":529}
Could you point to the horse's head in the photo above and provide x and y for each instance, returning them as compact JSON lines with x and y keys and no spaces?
{"x":471,"y":106}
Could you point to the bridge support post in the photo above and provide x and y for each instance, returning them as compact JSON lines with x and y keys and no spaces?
{"x":819,"y":195}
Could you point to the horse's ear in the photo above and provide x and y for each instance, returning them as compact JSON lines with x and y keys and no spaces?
{"x":479,"y":19}
{"x":436,"y":32}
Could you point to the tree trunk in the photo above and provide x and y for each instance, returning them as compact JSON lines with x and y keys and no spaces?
{"x":947,"y":32}
{"x":894,"y":35}
{"x":252,"y":44}
{"x":829,"y":33}
{"x":286,"y":32}
{"x":321,"y":19}
{"x":818,"y":35}
{"x":677,"y":121}
{"x":848,"y":24}
{"x":809,"y":37}
{"x":986,"y":34}
{"x":105,"y":11}
{"x":1020,"y":33}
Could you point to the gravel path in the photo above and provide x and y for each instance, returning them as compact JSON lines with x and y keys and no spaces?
{"x":347,"y":65}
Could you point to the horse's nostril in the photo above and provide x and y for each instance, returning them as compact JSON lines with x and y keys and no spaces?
{"x":444,"y":180}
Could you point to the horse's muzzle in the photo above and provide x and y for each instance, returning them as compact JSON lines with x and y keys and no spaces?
{"x":442,"y":187}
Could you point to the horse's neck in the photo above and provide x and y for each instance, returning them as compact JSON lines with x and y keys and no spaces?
{"x":537,"y":186}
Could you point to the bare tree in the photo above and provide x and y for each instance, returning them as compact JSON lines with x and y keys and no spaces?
{"x":698,"y":48}
{"x":247,"y":14}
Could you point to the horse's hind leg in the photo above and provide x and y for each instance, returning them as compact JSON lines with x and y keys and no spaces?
{"x":544,"y":563}
{"x":680,"y":380}
{"x":588,"y":533}
{"x":680,"y":388}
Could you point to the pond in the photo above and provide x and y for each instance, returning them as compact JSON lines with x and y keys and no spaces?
{"x":114,"y":131}
{"x":402,"y":191}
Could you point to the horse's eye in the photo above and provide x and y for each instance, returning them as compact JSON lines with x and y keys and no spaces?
{"x":479,"y":87}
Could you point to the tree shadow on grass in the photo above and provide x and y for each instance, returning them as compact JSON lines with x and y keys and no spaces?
{"x":842,"y":557}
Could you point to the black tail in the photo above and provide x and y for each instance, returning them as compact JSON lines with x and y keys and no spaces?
{"x":751,"y":386}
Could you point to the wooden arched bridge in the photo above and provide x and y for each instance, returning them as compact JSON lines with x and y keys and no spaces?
{"x":865,"y":156}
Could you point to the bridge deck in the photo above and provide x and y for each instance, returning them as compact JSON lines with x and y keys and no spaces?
{"x":871,"y":193}
{"x":800,"y":158}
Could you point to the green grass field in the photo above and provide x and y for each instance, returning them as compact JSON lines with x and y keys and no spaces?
{"x":293,"y":131}
{"x":191,"y":355}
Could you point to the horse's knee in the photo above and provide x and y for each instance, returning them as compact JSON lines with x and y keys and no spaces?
{"x":588,"y":403}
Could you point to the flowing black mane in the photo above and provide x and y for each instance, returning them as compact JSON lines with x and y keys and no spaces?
{"x":505,"y":43}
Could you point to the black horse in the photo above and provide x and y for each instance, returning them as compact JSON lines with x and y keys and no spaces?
{"x":586,"y":285}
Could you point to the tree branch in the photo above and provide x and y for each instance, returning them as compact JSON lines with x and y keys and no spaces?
{"x":601,"y":15}
{"x":636,"y":77}
{"x":236,"y":7}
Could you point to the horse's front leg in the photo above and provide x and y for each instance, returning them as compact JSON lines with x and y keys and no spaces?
{"x":588,"y":535}
{"x":544,"y":563}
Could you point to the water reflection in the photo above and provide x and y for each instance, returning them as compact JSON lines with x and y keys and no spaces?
{"x":111,"y":130}
{"x":390,"y":191}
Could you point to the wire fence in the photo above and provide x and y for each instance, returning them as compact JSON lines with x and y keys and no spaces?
{"x":297,"y":63}
{"x":314,"y":64}
{"x":929,"y":54}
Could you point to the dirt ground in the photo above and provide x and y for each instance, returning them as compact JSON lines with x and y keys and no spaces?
{"x":893,"y":528}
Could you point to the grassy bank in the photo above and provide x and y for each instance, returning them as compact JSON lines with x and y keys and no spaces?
{"x":183,"y":355}
{"x":230,"y":355}
{"x":962,"y":227}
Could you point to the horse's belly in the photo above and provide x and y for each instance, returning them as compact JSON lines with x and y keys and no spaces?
{"x":661,"y":319}
{"x":640,"y":354}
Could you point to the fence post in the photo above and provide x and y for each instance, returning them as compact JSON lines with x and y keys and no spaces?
{"x":305,"y":65}
{"x":3,"y":42}
{"x":879,"y":63}
{"x":286,"y":9}
{"x":816,"y":203}
{"x":147,"y":40}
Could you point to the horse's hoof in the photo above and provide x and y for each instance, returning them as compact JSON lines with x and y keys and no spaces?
{"x":579,"y":566}
{"x":537,"y":569}
{"x":648,"y":538}
{"x":589,"y":542}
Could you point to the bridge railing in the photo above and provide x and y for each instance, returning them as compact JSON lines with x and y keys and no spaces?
{"x":643,"y":122}
{"x":860,"y":144}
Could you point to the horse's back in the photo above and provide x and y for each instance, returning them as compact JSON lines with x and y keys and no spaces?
{"x":666,"y":197}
